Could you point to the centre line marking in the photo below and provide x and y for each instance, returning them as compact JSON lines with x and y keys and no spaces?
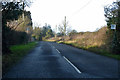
{"x":58,"y":51}
{"x":72,"y":64}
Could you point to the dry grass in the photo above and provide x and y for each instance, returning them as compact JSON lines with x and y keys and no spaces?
{"x":98,"y":42}
{"x":100,"y":39}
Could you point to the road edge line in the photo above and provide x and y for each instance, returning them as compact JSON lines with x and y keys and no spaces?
{"x":72,"y":65}
{"x":58,"y":51}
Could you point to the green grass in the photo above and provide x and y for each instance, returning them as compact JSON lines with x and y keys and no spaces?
{"x":18,"y":51}
{"x":104,"y":52}
{"x":94,"y":49}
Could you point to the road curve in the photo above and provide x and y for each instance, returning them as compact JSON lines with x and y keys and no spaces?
{"x":53,"y":60}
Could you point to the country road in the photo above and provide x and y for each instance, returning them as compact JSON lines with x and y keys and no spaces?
{"x":53,"y":60}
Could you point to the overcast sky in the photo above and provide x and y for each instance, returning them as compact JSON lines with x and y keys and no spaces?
{"x":82,"y":15}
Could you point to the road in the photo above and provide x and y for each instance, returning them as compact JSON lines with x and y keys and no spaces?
{"x":53,"y":60}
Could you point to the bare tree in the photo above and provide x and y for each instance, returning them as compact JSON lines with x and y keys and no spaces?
{"x":61,"y":29}
{"x":65,"y":26}
{"x":56,"y":31}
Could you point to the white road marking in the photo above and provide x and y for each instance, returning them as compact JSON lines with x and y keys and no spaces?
{"x":72,"y":65}
{"x":58,"y":51}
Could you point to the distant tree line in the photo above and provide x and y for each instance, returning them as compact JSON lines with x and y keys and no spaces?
{"x":43,"y":33}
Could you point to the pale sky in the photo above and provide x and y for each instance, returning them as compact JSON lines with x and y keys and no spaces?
{"x":82,"y":15}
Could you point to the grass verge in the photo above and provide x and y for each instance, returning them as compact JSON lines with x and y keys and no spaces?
{"x":18,"y":51}
{"x":94,"y":49}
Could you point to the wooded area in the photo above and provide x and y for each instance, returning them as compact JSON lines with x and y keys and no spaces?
{"x":112,"y":14}
{"x":14,"y":26}
{"x":17,"y":26}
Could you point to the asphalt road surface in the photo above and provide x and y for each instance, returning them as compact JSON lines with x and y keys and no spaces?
{"x":53,"y":60}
